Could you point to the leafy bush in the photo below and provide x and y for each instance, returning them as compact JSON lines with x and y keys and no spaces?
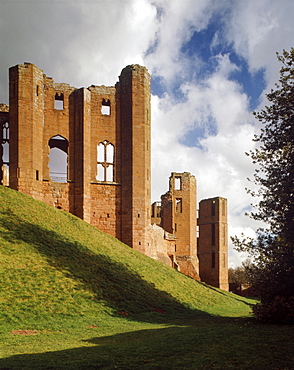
{"x":279,"y":311}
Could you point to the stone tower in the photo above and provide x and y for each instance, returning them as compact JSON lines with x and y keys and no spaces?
{"x":178,"y":217}
{"x":213,"y":242}
{"x":103,"y":134}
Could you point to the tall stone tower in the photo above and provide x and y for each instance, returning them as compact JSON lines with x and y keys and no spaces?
{"x":134,"y":91}
{"x":213,"y":242}
{"x":26,"y":122}
{"x":178,"y":217}
{"x":103,"y":134}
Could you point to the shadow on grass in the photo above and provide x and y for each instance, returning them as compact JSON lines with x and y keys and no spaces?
{"x":216,"y":342}
{"x":110,"y":281}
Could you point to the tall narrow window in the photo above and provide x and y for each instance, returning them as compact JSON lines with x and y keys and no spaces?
{"x":58,"y":158}
{"x":179,"y":207}
{"x":59,"y":101}
{"x":177,"y":183}
{"x":213,"y":208}
{"x":212,"y":234}
{"x":105,"y":161}
{"x":105,"y":108}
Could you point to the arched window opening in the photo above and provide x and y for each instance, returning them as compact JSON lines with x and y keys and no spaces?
{"x":109,"y":153}
{"x":105,"y":108}
{"x":59,"y":101}
{"x":58,"y":158}
{"x":101,"y":153}
{"x":105,"y":161}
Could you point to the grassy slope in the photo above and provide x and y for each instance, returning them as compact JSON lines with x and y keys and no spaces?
{"x":81,"y":289}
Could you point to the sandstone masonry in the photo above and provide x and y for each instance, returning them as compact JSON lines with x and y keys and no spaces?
{"x":103,"y":134}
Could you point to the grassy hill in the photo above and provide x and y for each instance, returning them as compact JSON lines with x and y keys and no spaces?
{"x":74,"y":297}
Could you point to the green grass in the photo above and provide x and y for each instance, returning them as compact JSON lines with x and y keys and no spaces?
{"x":95,"y":303}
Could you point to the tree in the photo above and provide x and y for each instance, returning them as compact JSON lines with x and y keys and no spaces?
{"x":240,"y":277}
{"x":273,"y":248}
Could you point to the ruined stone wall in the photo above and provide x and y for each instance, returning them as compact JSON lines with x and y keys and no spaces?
{"x":105,"y":134}
{"x":208,"y":259}
{"x":162,"y":249}
{"x":178,"y":217}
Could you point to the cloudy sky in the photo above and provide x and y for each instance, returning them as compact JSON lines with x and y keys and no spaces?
{"x":211,"y":61}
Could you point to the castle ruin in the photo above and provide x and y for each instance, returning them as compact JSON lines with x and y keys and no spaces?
{"x":102,"y":137}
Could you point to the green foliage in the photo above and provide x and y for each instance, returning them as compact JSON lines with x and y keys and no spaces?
{"x":240,"y":276}
{"x":273,"y":249}
{"x":280,"y":310}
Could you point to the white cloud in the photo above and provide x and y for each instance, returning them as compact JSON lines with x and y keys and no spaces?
{"x":259,"y":29}
{"x":77,"y":42}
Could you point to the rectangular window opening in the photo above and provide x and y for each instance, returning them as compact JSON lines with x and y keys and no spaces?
{"x":213,"y":260}
{"x":178,"y":183}
{"x":179,"y":207}
{"x":58,"y":101}
{"x":105,"y":108}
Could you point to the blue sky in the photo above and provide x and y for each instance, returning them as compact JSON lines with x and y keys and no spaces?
{"x":211,"y":61}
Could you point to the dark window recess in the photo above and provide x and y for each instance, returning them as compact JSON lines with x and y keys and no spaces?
{"x":37,"y":175}
{"x":213,"y":208}
{"x":213,"y":260}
